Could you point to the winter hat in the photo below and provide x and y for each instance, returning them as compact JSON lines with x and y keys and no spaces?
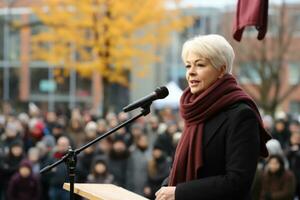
{"x":26,"y":163}
{"x":91,"y":127}
{"x":158,"y":145}
{"x":16,"y":143}
{"x":274,"y":147}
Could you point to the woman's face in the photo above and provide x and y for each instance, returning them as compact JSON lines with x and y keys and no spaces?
{"x":200,"y":73}
{"x":273,"y":165}
{"x":17,"y":151}
{"x":100,"y":168}
{"x":25,"y":172}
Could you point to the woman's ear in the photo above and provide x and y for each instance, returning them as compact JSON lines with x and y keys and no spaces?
{"x":222,"y":71}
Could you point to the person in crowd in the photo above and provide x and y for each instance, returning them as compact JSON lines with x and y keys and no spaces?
{"x":90,"y":131}
{"x":84,"y":163}
{"x":27,"y":139}
{"x":76,"y":131}
{"x":2,"y":124}
{"x":99,"y":172}
{"x":123,"y":135}
{"x":268,"y":123}
{"x":51,"y":119}
{"x":294,"y":126}
{"x":137,"y":166}
{"x":101,"y":126}
{"x":152,"y":130}
{"x":44,"y":160}
{"x":9,"y":164}
{"x":223,"y":136}
{"x":158,"y":168}
{"x":59,"y":175}
{"x":136,"y":131}
{"x":274,"y":148}
{"x":58,"y":131}
{"x":122,"y":117}
{"x":118,"y":162}
{"x":36,"y":129}
{"x":293,"y":156}
{"x":104,"y":146}
{"x":24,"y":185}
{"x":33,"y":156}
{"x":167,"y":115}
{"x":281,"y":133}
{"x":10,"y":136}
{"x":167,"y":138}
{"x":277,"y":182}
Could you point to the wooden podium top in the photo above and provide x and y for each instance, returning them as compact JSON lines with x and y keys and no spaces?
{"x":103,"y":192}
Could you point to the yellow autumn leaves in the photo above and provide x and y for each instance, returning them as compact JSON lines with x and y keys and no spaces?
{"x":109,"y":36}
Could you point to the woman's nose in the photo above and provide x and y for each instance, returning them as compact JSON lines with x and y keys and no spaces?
{"x":192,"y":71}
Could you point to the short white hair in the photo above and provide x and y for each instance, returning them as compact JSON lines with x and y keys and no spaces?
{"x":213,"y":47}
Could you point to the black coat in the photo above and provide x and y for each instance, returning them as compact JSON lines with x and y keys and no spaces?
{"x":230,"y":153}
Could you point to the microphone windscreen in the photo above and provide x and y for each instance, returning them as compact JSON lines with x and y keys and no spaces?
{"x":162,"y":92}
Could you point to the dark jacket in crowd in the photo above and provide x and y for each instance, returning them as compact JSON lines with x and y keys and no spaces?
{"x":105,"y":177}
{"x":59,"y":174}
{"x":84,"y":165}
{"x":158,"y":170}
{"x":278,"y":187}
{"x":24,"y":188}
{"x":282,"y":136}
{"x":166,"y":141}
{"x":137,"y":170}
{"x":117,"y":166}
{"x":9,"y":164}
{"x":45,"y":178}
{"x":293,"y":156}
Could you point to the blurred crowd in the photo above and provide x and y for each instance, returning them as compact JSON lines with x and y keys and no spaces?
{"x":137,"y":157}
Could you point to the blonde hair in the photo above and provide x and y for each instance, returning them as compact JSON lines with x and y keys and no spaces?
{"x":213,"y":47}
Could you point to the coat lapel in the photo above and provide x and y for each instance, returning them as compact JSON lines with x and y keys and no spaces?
{"x":212,"y":125}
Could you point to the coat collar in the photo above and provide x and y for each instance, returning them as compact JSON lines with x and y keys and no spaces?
{"x":212,"y":125}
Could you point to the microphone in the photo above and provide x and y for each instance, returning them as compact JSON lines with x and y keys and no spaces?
{"x":159,"y":93}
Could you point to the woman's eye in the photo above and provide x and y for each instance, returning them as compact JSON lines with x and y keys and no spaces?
{"x":187,"y":66}
{"x":200,"y":65}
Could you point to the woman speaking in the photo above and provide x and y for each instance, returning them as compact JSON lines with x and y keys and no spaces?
{"x":223,"y":136}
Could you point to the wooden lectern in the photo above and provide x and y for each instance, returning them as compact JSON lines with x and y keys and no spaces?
{"x":103,"y":192}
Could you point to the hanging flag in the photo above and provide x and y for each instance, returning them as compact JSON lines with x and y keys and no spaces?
{"x":251,"y":13}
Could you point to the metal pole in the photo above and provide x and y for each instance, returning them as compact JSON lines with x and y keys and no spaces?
{"x":72,"y":95}
{"x":6,"y":51}
{"x":50,"y":92}
{"x":72,"y":81}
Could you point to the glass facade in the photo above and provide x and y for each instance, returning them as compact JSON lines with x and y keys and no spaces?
{"x":294,"y":73}
{"x":46,"y":85}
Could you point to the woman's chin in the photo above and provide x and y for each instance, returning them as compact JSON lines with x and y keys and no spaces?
{"x":195,"y":90}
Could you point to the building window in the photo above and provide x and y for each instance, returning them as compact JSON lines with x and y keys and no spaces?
{"x":248,"y":74}
{"x":83,"y":86}
{"x":45,"y":80}
{"x":295,"y":107}
{"x":294,"y":73}
{"x":37,"y":75}
{"x":295,"y":22}
{"x":13,"y":83}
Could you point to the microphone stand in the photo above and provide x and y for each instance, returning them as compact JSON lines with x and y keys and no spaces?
{"x":70,"y":158}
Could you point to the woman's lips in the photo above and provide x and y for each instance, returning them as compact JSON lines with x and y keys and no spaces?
{"x":194,"y":83}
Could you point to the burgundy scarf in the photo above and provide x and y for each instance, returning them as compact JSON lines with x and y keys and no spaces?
{"x":195,"y":110}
